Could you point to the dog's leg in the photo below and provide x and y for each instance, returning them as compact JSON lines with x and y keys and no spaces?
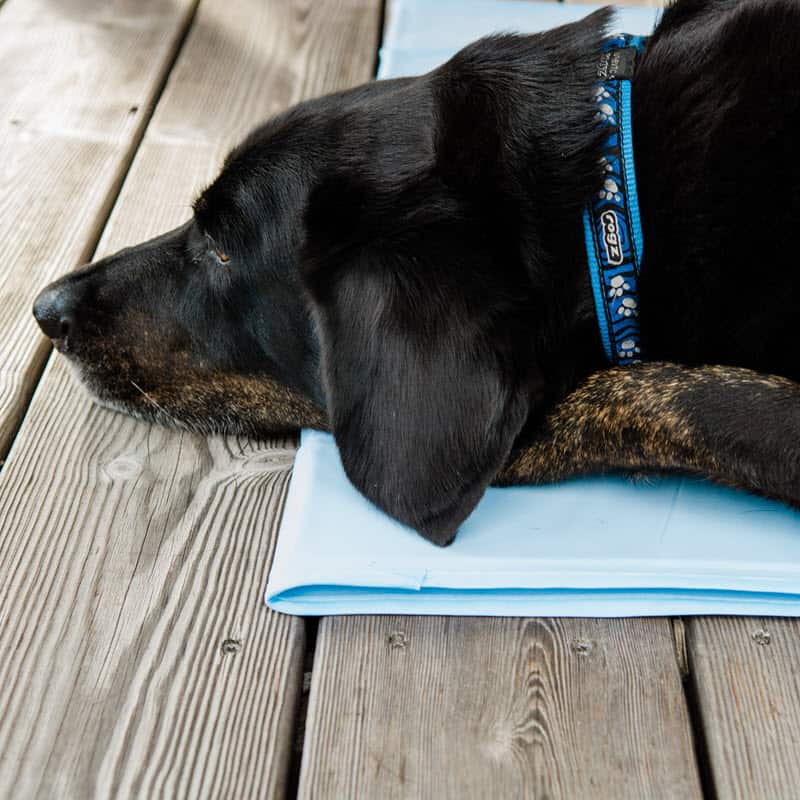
{"x":732,"y":425}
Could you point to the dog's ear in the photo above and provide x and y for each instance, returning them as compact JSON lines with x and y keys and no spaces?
{"x":427,"y":372}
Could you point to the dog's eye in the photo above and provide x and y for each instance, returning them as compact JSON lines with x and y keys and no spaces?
{"x":220,"y":254}
{"x":223,"y":257}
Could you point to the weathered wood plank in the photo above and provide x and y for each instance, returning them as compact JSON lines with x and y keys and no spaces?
{"x":137,"y":657}
{"x":746,"y":674}
{"x":133,"y":639}
{"x":476,"y":708}
{"x":77,"y":84}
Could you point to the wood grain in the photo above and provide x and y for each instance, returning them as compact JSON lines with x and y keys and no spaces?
{"x":138,"y":658}
{"x":475,"y":708}
{"x":140,"y":649}
{"x":746,"y":673}
{"x":77,"y":83}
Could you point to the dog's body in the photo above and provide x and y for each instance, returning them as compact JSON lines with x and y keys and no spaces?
{"x":404,"y":263}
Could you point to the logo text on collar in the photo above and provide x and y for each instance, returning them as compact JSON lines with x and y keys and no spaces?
{"x":611,"y":238}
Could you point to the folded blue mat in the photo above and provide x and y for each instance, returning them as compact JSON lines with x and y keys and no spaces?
{"x":589,"y":547}
{"x":593,"y":547}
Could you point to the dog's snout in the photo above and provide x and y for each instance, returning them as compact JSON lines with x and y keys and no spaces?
{"x":55,"y":309}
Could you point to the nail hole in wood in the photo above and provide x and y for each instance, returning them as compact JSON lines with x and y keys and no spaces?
{"x":761,"y":637}
{"x":397,"y":640}
{"x":583,"y":647}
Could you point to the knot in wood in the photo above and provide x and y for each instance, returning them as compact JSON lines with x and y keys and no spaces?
{"x":761,"y":637}
{"x":231,"y":646}
{"x":124,"y":467}
{"x":397,"y":640}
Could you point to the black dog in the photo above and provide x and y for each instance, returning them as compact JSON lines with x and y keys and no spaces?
{"x":403,"y":263}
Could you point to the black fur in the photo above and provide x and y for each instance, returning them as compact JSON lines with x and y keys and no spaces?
{"x":404,"y":261}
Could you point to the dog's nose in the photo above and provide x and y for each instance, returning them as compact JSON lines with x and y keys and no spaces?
{"x":54,"y":310}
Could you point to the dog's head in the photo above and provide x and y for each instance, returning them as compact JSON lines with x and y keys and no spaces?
{"x":373,"y":262}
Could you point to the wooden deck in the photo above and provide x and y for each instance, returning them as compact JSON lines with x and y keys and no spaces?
{"x":136,"y":656}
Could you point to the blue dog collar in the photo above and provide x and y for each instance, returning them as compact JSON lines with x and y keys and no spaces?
{"x":612,"y":227}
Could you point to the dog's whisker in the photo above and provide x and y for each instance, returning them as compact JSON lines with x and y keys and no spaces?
{"x":152,"y":401}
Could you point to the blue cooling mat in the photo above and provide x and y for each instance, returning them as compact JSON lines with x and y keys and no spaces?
{"x":592,"y":547}
{"x":589,"y":547}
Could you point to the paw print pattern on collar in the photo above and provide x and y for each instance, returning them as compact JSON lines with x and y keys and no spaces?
{"x":612,"y":227}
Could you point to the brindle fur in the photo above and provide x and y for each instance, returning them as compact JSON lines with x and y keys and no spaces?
{"x":402,"y":263}
{"x":665,"y":417}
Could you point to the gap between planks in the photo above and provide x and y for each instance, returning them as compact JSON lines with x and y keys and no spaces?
{"x":745,"y":674}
